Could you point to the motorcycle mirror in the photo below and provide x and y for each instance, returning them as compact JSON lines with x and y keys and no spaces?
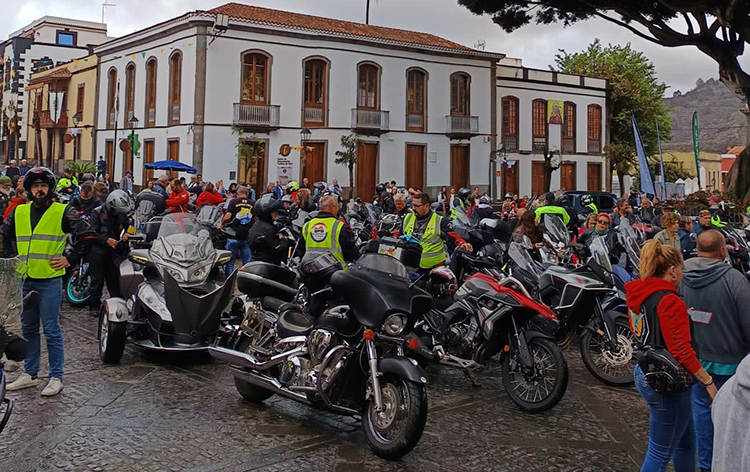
{"x":693,"y":237}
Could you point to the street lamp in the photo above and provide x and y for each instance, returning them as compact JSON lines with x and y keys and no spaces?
{"x":304,"y":136}
{"x":133,"y":123}
{"x":76,"y":132}
{"x":502,"y":152}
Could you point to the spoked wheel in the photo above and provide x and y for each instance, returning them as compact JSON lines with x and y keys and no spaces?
{"x":542,"y":387}
{"x":111,"y":339}
{"x":77,"y":291}
{"x":611,"y":366}
{"x":393,"y":432}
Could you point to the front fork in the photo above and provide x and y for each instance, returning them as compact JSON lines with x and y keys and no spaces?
{"x":372,"y":358}
{"x":524,"y":355}
{"x":610,"y":340}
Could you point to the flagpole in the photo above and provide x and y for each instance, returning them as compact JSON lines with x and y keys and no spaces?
{"x":661,"y":161}
{"x":695,"y":148}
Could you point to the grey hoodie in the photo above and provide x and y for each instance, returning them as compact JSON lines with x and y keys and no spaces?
{"x":731,"y":416}
{"x":723,"y":293}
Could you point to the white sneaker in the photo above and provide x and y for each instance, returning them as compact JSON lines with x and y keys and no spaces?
{"x":54,"y":387}
{"x":24,"y":381}
{"x":11,"y":366}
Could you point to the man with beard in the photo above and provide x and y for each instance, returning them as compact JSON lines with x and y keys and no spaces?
{"x":40,"y":230}
{"x":85,"y":201}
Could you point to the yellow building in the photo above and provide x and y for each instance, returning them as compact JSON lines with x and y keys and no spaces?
{"x":62,"y":103}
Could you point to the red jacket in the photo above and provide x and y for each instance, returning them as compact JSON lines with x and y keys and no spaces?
{"x":674,"y":320}
{"x":13,"y":203}
{"x":208,"y":198}
{"x":178,"y":202}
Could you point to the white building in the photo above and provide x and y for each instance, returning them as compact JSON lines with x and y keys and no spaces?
{"x":43,"y":43}
{"x":542,"y":111}
{"x":423,"y":105}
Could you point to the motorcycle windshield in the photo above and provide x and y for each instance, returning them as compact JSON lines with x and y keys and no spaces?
{"x":736,"y":236}
{"x":599,"y":253}
{"x":209,"y":215}
{"x":12,"y":274}
{"x":183,"y":249}
{"x":374,"y":212}
{"x":461,"y":220}
{"x":300,"y":220}
{"x":521,"y":257}
{"x":555,"y":228}
{"x":383,"y":263}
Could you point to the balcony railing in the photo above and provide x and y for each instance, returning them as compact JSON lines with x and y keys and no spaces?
{"x":461,"y":126}
{"x":568,"y":145}
{"x":595,"y":146}
{"x":314,"y":116}
{"x":45,"y":120}
{"x":376,"y":121}
{"x":415,"y":122}
{"x":260,"y":116}
{"x":510,"y":142}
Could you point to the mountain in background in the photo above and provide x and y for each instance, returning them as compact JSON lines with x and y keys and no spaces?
{"x":720,"y":123}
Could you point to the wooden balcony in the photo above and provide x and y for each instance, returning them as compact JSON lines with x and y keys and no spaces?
{"x":45,"y":120}
{"x":461,"y":126}
{"x":258,"y":117}
{"x":372,"y":122}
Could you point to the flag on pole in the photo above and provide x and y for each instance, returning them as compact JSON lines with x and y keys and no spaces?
{"x":661,"y":160}
{"x":647,"y":184}
{"x":695,"y":147}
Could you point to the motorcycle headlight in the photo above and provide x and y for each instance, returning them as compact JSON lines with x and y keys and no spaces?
{"x":153,"y":301}
{"x":394,"y":324}
{"x":198,"y":274}
{"x":177,"y":275}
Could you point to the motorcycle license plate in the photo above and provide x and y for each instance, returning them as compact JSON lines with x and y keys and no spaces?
{"x":390,"y":250}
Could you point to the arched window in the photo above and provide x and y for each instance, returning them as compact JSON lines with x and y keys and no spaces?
{"x":175,"y":87}
{"x":151,"y":92}
{"x":460,"y":96}
{"x":315,"y":92}
{"x":255,"y":68}
{"x":111,"y":98}
{"x":416,"y":103}
{"x":510,"y":123}
{"x":129,"y":94}
{"x":539,"y":125}
{"x":569,"y":128}
{"x":368,"y":88}
{"x":595,"y":129}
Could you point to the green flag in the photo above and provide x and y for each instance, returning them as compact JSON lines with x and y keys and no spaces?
{"x":695,"y":147}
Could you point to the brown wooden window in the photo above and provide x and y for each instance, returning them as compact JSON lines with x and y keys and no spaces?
{"x":539,"y":125}
{"x":111,"y":98}
{"x":460,"y":96}
{"x":416,"y":86}
{"x":510,"y":123}
{"x":368,"y":87}
{"x":595,"y":129}
{"x":175,"y":87}
{"x":255,"y":79}
{"x":80,"y":101}
{"x":315,"y":92}
{"x":151,"y":92}
{"x":129,"y":94}
{"x":569,"y":128}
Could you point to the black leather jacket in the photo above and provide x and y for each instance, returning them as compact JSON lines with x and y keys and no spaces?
{"x":265,"y":243}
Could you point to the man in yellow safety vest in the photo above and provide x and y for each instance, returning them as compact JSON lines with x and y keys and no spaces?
{"x":327,"y":233}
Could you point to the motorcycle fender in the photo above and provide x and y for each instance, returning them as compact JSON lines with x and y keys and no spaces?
{"x":614,"y":303}
{"x":402,"y":367}
{"x":117,"y":310}
{"x":529,"y":334}
{"x":610,"y":319}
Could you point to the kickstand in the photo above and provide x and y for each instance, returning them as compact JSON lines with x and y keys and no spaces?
{"x":472,"y":378}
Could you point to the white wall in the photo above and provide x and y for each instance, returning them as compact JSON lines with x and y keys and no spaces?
{"x":48,"y":34}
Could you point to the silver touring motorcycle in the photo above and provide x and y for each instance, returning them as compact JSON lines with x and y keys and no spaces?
{"x":173,"y":297}
{"x":349,"y":359}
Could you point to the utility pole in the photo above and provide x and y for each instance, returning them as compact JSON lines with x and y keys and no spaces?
{"x":114,"y":143}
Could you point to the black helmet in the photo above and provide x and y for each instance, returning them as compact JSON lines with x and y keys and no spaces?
{"x":563,"y":200}
{"x":380,"y":189}
{"x":265,"y":206}
{"x":463,"y":193}
{"x":43,"y":175}
{"x":586,"y":200}
{"x":485,"y":199}
{"x":549,"y":197}
{"x":88,"y":177}
{"x":119,"y":202}
{"x":724,"y":206}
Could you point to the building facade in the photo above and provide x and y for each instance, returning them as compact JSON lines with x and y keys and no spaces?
{"x":46,"y":42}
{"x":542,"y":111}
{"x":202,"y":83}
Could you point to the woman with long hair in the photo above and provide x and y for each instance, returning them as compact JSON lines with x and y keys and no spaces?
{"x":442,"y":199}
{"x":528,"y":226}
{"x":231,"y":191}
{"x":653,"y":303}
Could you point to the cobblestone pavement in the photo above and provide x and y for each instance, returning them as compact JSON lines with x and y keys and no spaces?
{"x":157,"y":413}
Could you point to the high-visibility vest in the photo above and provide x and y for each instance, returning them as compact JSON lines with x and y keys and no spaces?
{"x":65,"y":182}
{"x":716,"y":221}
{"x":433,"y":247}
{"x":46,"y":241}
{"x":454,"y":213}
{"x":554,"y":210}
{"x":322,"y":235}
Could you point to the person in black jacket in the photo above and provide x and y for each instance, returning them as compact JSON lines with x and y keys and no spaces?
{"x":264,"y":240}
{"x":85,"y":202}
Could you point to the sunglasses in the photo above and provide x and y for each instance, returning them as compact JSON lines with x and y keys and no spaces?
{"x":603,"y":222}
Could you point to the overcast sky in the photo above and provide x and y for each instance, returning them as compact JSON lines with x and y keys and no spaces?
{"x":536,"y":45}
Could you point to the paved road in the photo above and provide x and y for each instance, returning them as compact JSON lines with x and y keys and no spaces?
{"x":156,"y":413}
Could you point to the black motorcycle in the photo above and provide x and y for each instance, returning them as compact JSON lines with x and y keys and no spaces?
{"x":349,"y":360}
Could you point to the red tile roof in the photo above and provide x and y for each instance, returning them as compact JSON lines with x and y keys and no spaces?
{"x":736,"y":150}
{"x":727,"y":163}
{"x":340,"y":28}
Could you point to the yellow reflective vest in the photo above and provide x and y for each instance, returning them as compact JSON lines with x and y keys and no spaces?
{"x":553,"y":210}
{"x":322,"y":235}
{"x":46,"y":241}
{"x":433,"y":247}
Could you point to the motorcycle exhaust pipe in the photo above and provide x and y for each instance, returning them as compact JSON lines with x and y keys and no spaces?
{"x":248,"y":361}
{"x":268,"y":383}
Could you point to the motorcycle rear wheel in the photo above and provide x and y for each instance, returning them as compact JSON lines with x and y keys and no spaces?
{"x":550,"y":381}
{"x":250,"y":392}
{"x":396,"y":430}
{"x":74,"y":295}
{"x":611,"y":368}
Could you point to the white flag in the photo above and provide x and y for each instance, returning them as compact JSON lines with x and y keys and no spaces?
{"x":55,"y":105}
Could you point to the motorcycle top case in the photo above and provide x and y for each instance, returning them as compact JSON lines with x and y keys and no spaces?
{"x":260,"y":279}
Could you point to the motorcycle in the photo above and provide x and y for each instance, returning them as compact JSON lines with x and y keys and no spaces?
{"x":173,"y":293}
{"x":77,"y":281}
{"x":349,"y":360}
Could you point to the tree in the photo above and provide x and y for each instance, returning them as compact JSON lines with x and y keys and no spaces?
{"x":718,"y":28}
{"x":249,"y":150}
{"x":634,"y":88}
{"x":347,"y":156}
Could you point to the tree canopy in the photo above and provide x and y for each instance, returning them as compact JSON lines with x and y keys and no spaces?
{"x":633,"y":88}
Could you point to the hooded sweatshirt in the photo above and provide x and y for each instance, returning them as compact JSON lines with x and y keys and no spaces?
{"x":731,"y":410}
{"x":720,"y":297}
{"x":674,"y":321}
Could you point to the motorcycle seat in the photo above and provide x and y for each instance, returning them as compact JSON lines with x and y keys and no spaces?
{"x":293,"y":322}
{"x":273,"y":304}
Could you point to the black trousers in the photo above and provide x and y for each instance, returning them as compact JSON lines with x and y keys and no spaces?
{"x":103,"y":266}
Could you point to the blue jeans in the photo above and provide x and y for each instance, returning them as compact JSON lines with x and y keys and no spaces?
{"x":672,"y":435}
{"x":48,"y":313}
{"x":238,"y":247}
{"x":704,"y":426}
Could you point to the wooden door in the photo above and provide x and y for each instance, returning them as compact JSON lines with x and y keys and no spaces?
{"x":568,"y":176}
{"x":537,"y":178}
{"x":148,"y":157}
{"x":460,"y":166}
{"x":510,"y":179}
{"x":367,"y":170}
{"x":109,"y":156}
{"x":594,"y":177}
{"x":415,"y":167}
{"x":315,"y":170}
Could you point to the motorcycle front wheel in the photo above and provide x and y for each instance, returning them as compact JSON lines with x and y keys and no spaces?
{"x":542,"y":387}
{"x":393,"y":432}
{"x":610,"y":366}
{"x":77,"y":291}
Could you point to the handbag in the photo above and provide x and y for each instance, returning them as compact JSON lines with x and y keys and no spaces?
{"x":662,"y":372}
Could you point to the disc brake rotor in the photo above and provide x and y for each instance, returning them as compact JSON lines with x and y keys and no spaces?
{"x":384,"y":419}
{"x":623,"y":355}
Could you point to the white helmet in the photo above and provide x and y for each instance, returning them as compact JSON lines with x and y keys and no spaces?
{"x":119,"y":202}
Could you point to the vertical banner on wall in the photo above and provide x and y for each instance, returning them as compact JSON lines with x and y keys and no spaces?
{"x":647,"y":184}
{"x":695,"y":147}
{"x":555,"y":112}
